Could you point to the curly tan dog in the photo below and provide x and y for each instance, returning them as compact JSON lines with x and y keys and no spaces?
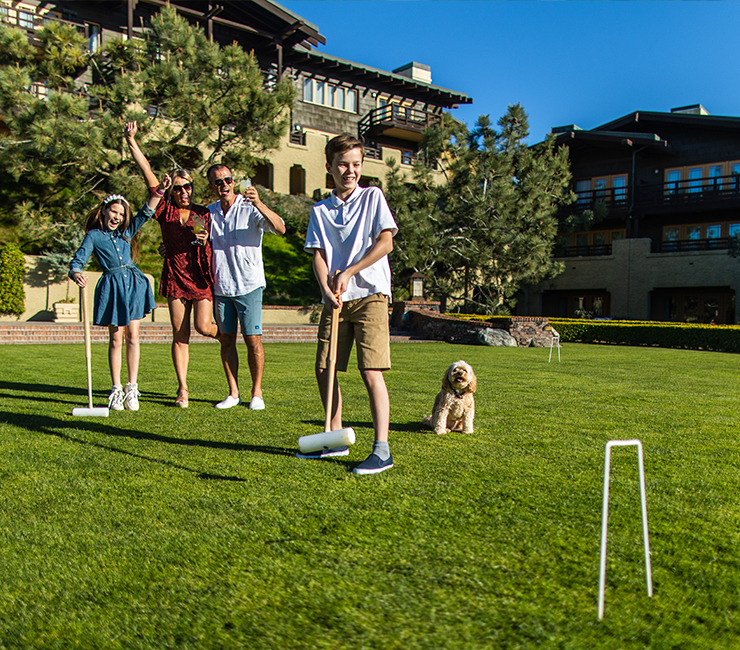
{"x":454,"y":408}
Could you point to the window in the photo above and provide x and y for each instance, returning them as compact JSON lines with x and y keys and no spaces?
{"x":308,"y":90}
{"x":715,"y":175}
{"x":591,"y":242}
{"x":329,"y":94}
{"x":696,"y":231}
{"x":407,"y":157}
{"x":671,"y":234}
{"x":695,"y":176}
{"x":583,"y":190}
{"x":673,"y":181}
{"x":605,"y":189}
{"x":25,"y":20}
{"x":619,"y":183}
{"x":93,"y":37}
{"x":718,"y":176}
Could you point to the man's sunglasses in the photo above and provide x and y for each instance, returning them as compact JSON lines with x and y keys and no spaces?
{"x":218,"y":182}
{"x":182,"y":188}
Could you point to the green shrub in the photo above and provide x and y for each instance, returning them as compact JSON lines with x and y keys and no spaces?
{"x":12,"y":273}
{"x":653,"y":333}
{"x":725,"y":338}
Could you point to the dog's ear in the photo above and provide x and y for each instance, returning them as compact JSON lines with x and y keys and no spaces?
{"x":446,"y":383}
{"x":473,"y":384}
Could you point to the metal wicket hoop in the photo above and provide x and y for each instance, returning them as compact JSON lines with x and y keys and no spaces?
{"x":605,"y":517}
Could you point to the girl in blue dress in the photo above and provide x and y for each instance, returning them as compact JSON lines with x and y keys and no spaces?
{"x":123,"y":295}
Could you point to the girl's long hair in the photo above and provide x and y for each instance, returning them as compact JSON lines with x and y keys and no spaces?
{"x":94,"y":221}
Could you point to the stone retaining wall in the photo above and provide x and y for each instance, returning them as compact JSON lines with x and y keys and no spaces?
{"x":527,"y":330}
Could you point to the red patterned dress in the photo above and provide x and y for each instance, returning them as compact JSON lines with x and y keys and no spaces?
{"x":186,"y":272}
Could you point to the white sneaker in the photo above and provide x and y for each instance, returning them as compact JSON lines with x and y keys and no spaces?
{"x":257,"y":404}
{"x":229,"y":402}
{"x":115,"y":399}
{"x":131,"y":401}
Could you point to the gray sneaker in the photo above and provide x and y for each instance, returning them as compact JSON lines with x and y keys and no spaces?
{"x":131,"y":401}
{"x":115,"y":399}
{"x":373,"y":465}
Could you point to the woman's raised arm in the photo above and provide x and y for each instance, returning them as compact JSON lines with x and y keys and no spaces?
{"x":141,"y":160}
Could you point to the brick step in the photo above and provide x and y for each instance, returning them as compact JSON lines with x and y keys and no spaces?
{"x":43,"y":332}
{"x":13,"y":333}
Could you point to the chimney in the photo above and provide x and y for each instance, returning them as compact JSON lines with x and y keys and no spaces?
{"x":416,"y":72}
{"x":694,"y":109}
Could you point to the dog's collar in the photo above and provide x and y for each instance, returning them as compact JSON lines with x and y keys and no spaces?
{"x":458,"y":395}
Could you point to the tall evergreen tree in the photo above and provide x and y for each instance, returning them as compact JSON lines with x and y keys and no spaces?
{"x":196,"y":102}
{"x":492,"y":227}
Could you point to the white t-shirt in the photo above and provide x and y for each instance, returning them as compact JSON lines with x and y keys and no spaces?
{"x":236,"y":239}
{"x":346,"y":231}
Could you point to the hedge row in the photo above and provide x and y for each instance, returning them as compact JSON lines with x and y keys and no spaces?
{"x":12,"y":273}
{"x":665,"y":335}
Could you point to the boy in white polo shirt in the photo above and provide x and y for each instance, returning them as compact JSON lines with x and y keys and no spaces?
{"x":350,"y":234}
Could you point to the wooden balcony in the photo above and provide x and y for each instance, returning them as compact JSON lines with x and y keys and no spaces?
{"x":683,"y":245}
{"x":689,"y":194}
{"x":394,"y":121}
{"x":582,"y":251}
{"x":613,"y":201}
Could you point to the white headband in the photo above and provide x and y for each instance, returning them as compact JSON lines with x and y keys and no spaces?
{"x":114,"y":197}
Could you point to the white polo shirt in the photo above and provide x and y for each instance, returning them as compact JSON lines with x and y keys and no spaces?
{"x":346,"y":231}
{"x":236,"y":238}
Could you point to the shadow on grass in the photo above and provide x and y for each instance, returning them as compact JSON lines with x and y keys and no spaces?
{"x":28,"y":391}
{"x":401,"y":427}
{"x":52,"y":426}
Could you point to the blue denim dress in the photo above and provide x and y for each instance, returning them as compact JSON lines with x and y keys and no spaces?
{"x":123,"y":293}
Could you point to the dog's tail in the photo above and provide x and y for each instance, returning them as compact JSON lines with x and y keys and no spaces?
{"x":427,"y":421}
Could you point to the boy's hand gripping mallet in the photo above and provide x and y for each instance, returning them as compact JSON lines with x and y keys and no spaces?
{"x":89,"y":411}
{"x":329,"y":439}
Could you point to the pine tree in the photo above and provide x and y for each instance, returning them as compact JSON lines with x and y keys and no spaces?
{"x":196,"y":102}
{"x":492,"y":227}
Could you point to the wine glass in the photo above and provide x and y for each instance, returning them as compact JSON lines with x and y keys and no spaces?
{"x":245,"y":184}
{"x":198,"y":226}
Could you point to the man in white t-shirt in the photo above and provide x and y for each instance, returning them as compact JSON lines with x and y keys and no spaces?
{"x":237,"y":225}
{"x":350,"y":235}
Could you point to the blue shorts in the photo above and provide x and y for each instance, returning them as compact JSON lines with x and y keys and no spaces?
{"x":246,"y":309}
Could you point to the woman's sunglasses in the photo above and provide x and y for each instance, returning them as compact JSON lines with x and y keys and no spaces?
{"x":182,"y":188}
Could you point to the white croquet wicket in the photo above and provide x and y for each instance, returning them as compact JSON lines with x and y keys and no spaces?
{"x":553,"y":341}
{"x":605,"y":517}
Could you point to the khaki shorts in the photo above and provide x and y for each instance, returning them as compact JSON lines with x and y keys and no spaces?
{"x":364,"y":320}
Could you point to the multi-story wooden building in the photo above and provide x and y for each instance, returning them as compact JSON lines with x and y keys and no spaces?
{"x":664,"y":192}
{"x":388,"y":109}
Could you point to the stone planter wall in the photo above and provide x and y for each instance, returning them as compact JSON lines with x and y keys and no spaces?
{"x":66,"y":312}
{"x":527,"y":330}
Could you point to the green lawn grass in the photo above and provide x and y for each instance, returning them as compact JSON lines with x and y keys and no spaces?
{"x":195,"y":528}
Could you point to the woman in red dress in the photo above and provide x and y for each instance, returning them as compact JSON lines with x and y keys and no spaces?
{"x":186,"y":274}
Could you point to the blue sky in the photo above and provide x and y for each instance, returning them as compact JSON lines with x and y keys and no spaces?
{"x":578,"y":62}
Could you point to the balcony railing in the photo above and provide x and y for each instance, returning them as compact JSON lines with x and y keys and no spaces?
{"x":612,"y":197}
{"x":690,"y":192}
{"x":678,"y":245}
{"x":583,"y":251}
{"x":393,"y":116}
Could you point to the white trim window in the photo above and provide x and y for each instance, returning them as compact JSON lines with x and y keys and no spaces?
{"x":330,"y":95}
